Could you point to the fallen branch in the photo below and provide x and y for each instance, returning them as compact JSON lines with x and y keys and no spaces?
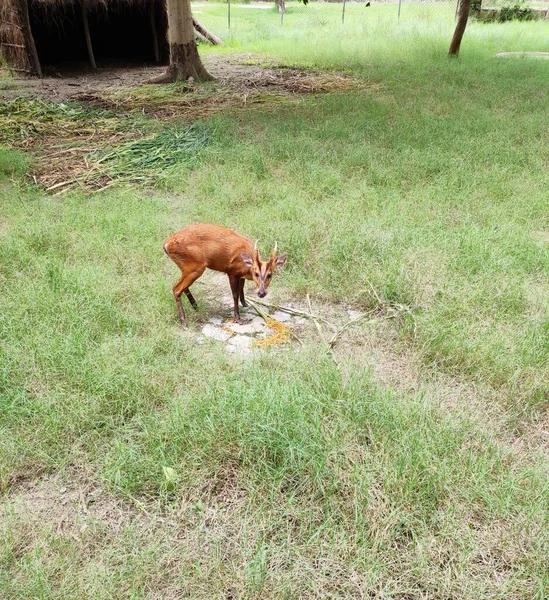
{"x":317,"y":324}
{"x":209,"y":35}
{"x":293,"y":311}
{"x":332,"y":341}
{"x":396,"y":312}
{"x":201,"y":37}
{"x":319,"y":329}
{"x":60,"y":184}
{"x":253,"y":304}
{"x":267,"y":317}
{"x":396,"y":308}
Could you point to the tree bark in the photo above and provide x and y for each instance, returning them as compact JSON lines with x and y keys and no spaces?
{"x":460,"y":27}
{"x":184,"y":59}
{"x":26,"y":30}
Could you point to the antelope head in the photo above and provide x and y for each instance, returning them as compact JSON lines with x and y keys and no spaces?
{"x":262,"y":271}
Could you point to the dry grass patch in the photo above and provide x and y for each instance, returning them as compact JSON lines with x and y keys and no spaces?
{"x":74,"y":141}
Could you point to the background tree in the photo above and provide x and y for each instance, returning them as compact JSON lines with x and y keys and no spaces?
{"x":184,"y":58}
{"x":281,"y":4}
{"x":465,"y":8}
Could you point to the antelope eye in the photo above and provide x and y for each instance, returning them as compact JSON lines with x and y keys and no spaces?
{"x":269,"y":276}
{"x":256,"y":274}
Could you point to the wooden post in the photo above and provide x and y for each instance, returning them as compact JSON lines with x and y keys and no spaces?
{"x":460,"y":27}
{"x":87,"y":34}
{"x":26,"y":30}
{"x":343,"y":14}
{"x":399,"y":5}
{"x":229,"y":13}
{"x":154,"y":34}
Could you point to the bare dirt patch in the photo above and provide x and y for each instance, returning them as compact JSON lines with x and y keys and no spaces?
{"x":540,"y":236}
{"x":243,"y":74}
{"x":67,"y":509}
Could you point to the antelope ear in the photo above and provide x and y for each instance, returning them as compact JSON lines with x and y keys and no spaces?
{"x":281,"y":260}
{"x":248,"y":260}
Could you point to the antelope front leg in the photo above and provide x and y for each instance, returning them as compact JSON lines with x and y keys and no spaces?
{"x":235,"y":288}
{"x":242,"y":298}
{"x":187,"y":279}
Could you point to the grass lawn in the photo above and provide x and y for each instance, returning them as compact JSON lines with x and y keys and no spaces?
{"x":290,"y":476}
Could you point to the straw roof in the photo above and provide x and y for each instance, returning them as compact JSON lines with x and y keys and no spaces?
{"x":12,"y":41}
{"x":89,"y":3}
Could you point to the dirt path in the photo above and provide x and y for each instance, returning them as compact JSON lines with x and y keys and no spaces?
{"x":243,"y":72}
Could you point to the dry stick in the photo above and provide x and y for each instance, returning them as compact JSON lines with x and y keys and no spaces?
{"x":257,"y":309}
{"x":293,"y":311}
{"x":332,"y":341}
{"x":58,"y":185}
{"x":406,"y":309}
{"x":374,"y":292}
{"x":265,"y":316}
{"x":319,"y":329}
{"x":64,"y":191}
{"x":397,"y":307}
{"x":82,"y":177}
{"x":65,"y":151}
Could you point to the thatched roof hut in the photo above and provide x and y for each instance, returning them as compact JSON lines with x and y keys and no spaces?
{"x":35,"y":34}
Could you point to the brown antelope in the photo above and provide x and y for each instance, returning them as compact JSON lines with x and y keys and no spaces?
{"x":201,"y":246}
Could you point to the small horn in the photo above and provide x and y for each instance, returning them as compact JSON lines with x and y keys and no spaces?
{"x":255,"y":246}
{"x":276,"y":247}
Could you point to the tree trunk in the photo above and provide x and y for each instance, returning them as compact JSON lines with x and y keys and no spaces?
{"x":281,"y":6}
{"x":184,"y":59}
{"x":460,"y":27}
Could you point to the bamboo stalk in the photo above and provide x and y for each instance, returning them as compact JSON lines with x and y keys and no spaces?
{"x":87,"y":34}
{"x":265,"y":317}
{"x":354,"y":322}
{"x":34,"y":60}
{"x":292,"y":311}
{"x":156,"y":47}
{"x":317,"y":325}
{"x":253,"y":304}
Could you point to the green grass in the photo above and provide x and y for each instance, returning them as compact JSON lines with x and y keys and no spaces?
{"x":288,"y":476}
{"x":12,"y":162}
